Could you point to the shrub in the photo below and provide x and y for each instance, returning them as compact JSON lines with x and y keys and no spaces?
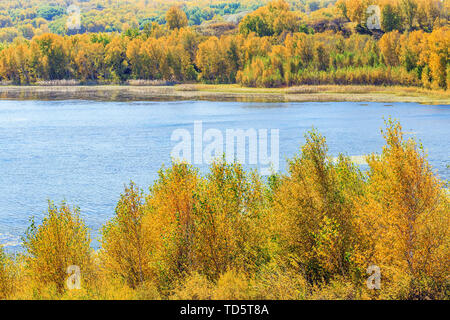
{"x":313,"y":207}
{"x":279,"y":281}
{"x":60,"y":241}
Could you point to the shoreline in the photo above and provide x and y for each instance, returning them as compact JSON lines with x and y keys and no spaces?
{"x":306,"y":93}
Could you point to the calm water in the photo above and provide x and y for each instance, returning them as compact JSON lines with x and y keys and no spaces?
{"x":85,"y":151}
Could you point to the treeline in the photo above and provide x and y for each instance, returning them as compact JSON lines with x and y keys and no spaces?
{"x":26,"y":18}
{"x":311,"y":233}
{"x":287,"y":55}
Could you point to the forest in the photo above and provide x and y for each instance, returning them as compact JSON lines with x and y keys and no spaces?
{"x":266,"y":45}
{"x":309,"y":233}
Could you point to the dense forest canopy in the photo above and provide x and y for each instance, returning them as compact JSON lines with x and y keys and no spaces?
{"x":32,"y":17}
{"x":400,"y":42}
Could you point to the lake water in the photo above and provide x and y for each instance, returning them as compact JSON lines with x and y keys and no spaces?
{"x":85,"y":151}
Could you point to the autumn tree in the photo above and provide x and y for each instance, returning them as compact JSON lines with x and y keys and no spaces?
{"x":390,"y":18}
{"x":135,"y":56}
{"x":270,"y":20}
{"x":390,"y":48}
{"x":313,"y":206}
{"x":88,"y":60}
{"x":405,"y":214}
{"x":437,"y":56}
{"x":408,"y":9}
{"x":60,"y":241}
{"x":52,"y":56}
{"x":116,"y":59}
{"x":6,"y":278}
{"x":219,"y":60}
{"x":15,"y":64}
{"x":229,"y":214}
{"x":355,"y":10}
{"x":171,"y":223}
{"x":428,"y":13}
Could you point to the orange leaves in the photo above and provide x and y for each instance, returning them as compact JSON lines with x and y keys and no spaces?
{"x":270,"y":20}
{"x":176,"y":18}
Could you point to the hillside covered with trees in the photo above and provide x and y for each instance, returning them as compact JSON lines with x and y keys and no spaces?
{"x":274,"y":45}
{"x":25,"y":18}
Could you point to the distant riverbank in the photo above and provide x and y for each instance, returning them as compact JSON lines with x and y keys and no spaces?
{"x":323,"y":93}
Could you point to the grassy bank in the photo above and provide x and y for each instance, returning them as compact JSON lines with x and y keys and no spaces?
{"x":325,"y":93}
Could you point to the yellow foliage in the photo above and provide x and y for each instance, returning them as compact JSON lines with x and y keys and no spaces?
{"x":6,"y":277}
{"x":126,"y":249}
{"x":194,"y":287}
{"x":232,"y":285}
{"x":176,"y":18}
{"x":308,"y":234}
{"x":171,"y":223}
{"x":313,"y":207}
{"x":60,"y":241}
{"x":230,"y":214}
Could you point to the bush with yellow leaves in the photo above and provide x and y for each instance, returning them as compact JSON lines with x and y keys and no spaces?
{"x":126,"y":249}
{"x":313,"y":207}
{"x":230,"y":215}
